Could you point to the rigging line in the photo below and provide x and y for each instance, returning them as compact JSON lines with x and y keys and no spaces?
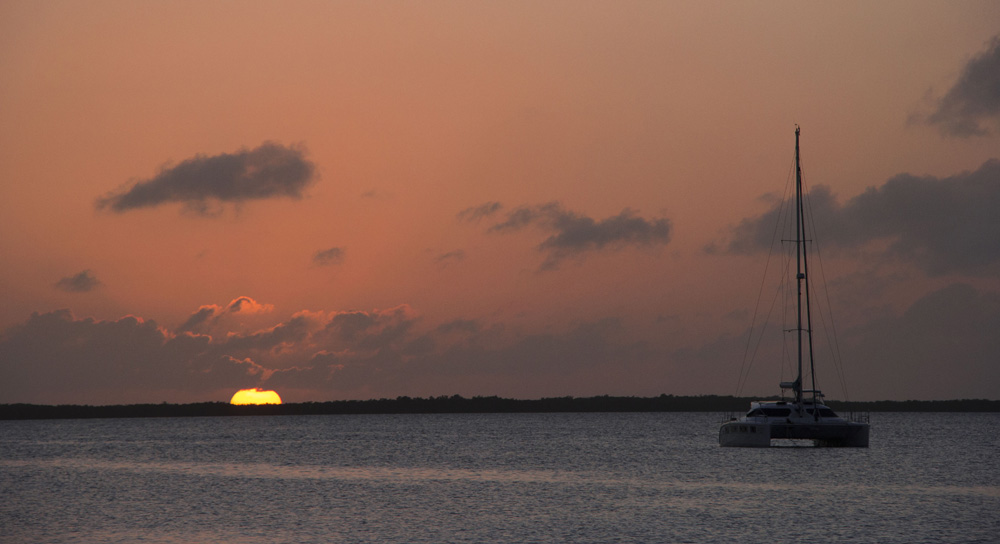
{"x":830,"y":330}
{"x":786,"y":292}
{"x":790,"y":287}
{"x":746,"y":365}
{"x":834,"y":342}
{"x":760,"y":337}
{"x":749,"y":358}
{"x":803,"y":253}
{"x":787,"y":288}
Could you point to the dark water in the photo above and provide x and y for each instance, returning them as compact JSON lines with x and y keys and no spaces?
{"x":491,"y":478}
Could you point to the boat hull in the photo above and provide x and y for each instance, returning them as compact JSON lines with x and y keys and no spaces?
{"x":747,"y":434}
{"x":847,"y":434}
{"x":743,"y":434}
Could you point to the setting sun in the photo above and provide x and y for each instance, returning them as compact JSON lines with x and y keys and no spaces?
{"x":255,"y":396}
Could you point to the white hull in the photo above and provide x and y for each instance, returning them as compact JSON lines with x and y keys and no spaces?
{"x":742,"y":434}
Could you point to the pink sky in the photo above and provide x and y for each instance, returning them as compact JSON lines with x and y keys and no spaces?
{"x":342,"y":200}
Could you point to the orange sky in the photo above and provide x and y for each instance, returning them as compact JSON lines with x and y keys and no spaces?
{"x":611,"y":142}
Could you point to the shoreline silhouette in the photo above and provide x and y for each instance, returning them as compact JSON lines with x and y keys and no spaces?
{"x":457,"y":404}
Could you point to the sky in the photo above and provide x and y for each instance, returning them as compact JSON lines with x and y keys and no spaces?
{"x":367,"y":199}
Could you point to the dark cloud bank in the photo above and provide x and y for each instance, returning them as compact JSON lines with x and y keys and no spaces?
{"x":944,"y":346}
{"x":202,"y":182}
{"x":55,"y":357}
{"x":942,"y":225}
{"x":973,"y":103}
{"x":945,"y":342}
{"x":574,"y":234}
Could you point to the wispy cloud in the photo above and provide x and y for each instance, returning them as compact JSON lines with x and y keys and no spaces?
{"x":83,"y":282}
{"x":451,"y":256}
{"x":328,"y":257}
{"x":574,"y":234}
{"x":943,"y":225}
{"x":476,"y":213}
{"x":199,"y":183}
{"x":973,"y":102}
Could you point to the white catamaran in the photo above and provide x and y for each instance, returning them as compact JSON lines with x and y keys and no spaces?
{"x":804,"y":416}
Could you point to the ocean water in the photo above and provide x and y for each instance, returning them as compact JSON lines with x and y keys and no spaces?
{"x":639,"y":477}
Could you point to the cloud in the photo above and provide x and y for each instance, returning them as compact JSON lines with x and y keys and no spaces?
{"x":526,"y":215}
{"x":378,"y":195}
{"x":445,"y":258}
{"x":247,"y":305}
{"x":459,"y":325}
{"x":212,"y":316}
{"x":476,"y":213}
{"x":84,"y":282}
{"x":198,"y":319}
{"x":942,"y":225}
{"x":974,"y":101}
{"x":575,"y":234}
{"x":360,"y":330}
{"x":465,"y":357}
{"x":943,"y":346}
{"x":55,"y":357}
{"x":273,"y":340}
{"x":328,"y":257}
{"x":201,"y":182}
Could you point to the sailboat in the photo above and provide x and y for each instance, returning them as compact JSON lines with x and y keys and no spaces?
{"x":803,"y":416}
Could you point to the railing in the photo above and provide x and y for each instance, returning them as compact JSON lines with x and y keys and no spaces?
{"x":859,"y":417}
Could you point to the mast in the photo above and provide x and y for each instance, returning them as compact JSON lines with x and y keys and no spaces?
{"x":802,"y":275}
{"x":799,"y":274}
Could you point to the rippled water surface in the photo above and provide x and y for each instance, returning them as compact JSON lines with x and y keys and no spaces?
{"x":491,"y":478}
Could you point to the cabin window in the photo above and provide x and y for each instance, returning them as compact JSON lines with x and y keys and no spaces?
{"x":777,"y":412}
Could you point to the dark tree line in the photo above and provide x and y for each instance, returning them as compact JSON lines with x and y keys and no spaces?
{"x":456,"y":404}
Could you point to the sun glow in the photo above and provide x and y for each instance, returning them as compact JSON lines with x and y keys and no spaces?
{"x":255,"y":396}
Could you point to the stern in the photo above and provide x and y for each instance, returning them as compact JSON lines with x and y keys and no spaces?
{"x":743,"y":434}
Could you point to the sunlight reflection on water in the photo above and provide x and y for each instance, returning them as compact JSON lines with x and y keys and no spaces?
{"x":426,"y":474}
{"x":262,"y":470}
